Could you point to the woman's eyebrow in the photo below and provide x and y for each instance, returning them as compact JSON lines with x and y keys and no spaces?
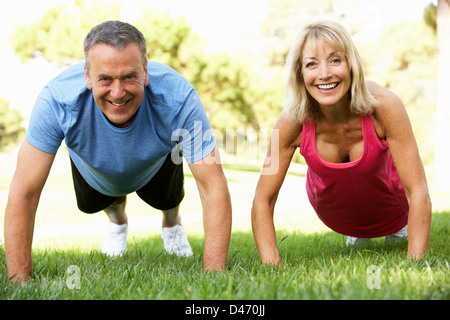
{"x":329,"y":56}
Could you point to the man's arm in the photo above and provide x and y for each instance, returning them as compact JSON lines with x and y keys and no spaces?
{"x":33,"y":167}
{"x":213,"y":189}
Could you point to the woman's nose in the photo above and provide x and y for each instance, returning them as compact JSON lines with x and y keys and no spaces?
{"x":324,"y":71}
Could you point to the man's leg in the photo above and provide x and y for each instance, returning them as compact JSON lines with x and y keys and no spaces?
{"x":171,"y":217}
{"x":115,"y":242}
{"x":166,"y":190}
{"x":351,"y":241}
{"x":90,"y":200}
{"x":398,"y":236}
{"x":173,"y":234}
{"x":116,"y":211}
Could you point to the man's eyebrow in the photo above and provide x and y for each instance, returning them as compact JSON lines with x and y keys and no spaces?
{"x":131,"y":74}
{"x":103,"y":76}
{"x":107,"y":76}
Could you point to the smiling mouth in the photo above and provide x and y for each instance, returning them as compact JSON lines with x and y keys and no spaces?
{"x":119,"y":104}
{"x":329,"y":86}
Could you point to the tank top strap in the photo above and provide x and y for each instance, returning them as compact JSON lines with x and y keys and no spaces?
{"x":308,"y":136}
{"x":370,"y":134}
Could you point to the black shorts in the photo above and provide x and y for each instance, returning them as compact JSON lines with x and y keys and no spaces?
{"x":163,"y":192}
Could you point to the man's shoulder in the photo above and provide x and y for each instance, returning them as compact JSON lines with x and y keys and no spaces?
{"x":163,"y":75}
{"x":69,"y":85}
{"x":157,"y":69}
{"x":166,"y":85}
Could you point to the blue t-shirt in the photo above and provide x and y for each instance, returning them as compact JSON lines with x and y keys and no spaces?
{"x":117,"y":161}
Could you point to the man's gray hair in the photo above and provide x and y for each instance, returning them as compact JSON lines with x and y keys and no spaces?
{"x":117,"y":34}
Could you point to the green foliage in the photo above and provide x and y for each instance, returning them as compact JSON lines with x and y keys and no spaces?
{"x":429,"y":16}
{"x":11,"y":129}
{"x":59,"y":35}
{"x":167,"y":39}
{"x":404,"y":60}
{"x":232,"y":94}
{"x":224,"y":89}
{"x":284,"y":18}
{"x":222,"y":83}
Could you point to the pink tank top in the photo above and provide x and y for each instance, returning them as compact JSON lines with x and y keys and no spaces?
{"x":363,"y":198}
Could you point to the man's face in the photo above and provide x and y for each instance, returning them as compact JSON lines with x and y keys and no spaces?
{"x":117,"y":79}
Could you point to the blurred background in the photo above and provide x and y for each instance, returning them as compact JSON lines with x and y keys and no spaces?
{"x":233,"y":52}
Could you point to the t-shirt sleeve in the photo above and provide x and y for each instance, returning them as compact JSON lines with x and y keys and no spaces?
{"x":192,"y":130}
{"x":44,"y":131}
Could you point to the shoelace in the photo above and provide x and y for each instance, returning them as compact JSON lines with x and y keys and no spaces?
{"x":175,"y":240}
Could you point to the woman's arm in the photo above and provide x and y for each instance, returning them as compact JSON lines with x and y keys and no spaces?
{"x":284,"y":141}
{"x":395,"y":123}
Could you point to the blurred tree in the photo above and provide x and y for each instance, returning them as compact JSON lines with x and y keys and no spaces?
{"x":59,"y":35}
{"x":11,"y":129}
{"x":230,"y":91}
{"x":429,"y":16}
{"x":404,"y":60}
{"x":442,"y":126}
{"x":222,"y":82}
{"x":167,"y":38}
{"x":285,"y":17}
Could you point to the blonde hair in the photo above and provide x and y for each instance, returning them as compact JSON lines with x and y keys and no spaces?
{"x":299,"y":104}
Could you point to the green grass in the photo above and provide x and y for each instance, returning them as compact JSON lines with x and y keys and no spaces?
{"x":315,"y":266}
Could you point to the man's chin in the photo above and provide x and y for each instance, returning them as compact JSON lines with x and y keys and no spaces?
{"x":120,"y":122}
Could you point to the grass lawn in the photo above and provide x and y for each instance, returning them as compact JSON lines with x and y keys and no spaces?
{"x":316,"y":262}
{"x":316,"y":266}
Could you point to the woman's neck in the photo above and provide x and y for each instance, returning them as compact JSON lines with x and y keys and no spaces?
{"x":336,"y":113}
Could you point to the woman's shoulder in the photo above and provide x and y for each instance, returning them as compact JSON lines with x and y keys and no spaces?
{"x":289,"y":130}
{"x":383,"y":95}
{"x":388,"y":101}
{"x":286,"y":123}
{"x":389,"y":108}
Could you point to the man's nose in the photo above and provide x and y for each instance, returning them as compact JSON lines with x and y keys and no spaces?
{"x":117,"y":90}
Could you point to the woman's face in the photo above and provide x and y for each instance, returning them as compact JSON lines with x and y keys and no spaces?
{"x":325,"y":72}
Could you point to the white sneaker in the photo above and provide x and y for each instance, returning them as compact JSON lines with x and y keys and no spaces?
{"x":351,"y":241}
{"x":176,"y":241}
{"x":115,"y":243}
{"x":398,"y":236}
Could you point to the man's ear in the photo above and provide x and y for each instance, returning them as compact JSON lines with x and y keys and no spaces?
{"x":88,"y":80}
{"x":146,"y":78}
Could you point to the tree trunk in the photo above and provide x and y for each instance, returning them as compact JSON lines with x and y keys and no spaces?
{"x":442,"y":123}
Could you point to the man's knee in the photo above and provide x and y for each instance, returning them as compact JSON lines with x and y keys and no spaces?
{"x":119,"y":202}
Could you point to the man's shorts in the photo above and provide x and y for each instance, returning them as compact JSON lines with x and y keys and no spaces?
{"x":163,"y":192}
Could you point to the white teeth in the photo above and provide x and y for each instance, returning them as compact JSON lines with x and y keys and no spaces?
{"x":327,"y":86}
{"x":118,"y":105}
